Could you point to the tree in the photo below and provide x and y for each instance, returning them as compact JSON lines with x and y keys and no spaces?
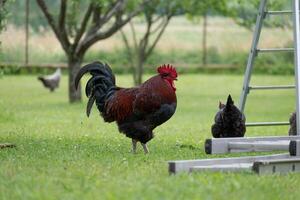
{"x":244,"y":12}
{"x":156,"y":16}
{"x":201,"y":10}
{"x":100,"y":20}
{"x":3,"y":14}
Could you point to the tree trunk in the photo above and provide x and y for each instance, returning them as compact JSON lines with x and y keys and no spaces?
{"x":26,"y":32}
{"x":204,"y":40}
{"x":134,"y":73}
{"x":74,"y":65}
{"x":139,"y":70}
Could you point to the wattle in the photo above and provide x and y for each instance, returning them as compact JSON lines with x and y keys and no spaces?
{"x":172,"y":84}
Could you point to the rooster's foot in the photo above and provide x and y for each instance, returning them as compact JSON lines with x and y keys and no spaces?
{"x":146,"y":150}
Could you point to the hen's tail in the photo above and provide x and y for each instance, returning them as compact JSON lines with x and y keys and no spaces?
{"x":229,"y":102}
{"x":100,"y":87}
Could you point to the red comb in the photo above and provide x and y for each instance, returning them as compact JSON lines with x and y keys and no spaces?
{"x":169,"y":69}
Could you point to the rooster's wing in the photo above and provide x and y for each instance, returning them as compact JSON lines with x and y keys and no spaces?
{"x":120,"y":105}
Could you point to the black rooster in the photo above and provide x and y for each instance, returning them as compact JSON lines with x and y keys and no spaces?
{"x":51,"y":81}
{"x":229,"y":121}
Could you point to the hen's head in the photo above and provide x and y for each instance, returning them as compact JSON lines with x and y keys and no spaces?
{"x":168,"y":73}
{"x":221,"y":105}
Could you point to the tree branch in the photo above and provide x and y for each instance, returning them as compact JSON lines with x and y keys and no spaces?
{"x":2,"y":2}
{"x":145,"y":39}
{"x":158,"y":26}
{"x":61,"y":23}
{"x":127,"y":45}
{"x":50,"y":19}
{"x":134,"y":38}
{"x":83,"y":25}
{"x":91,"y":38}
{"x":62,"y":14}
{"x":98,"y":21}
{"x":125,"y":39}
{"x":112,"y":11}
{"x":150,"y":49}
{"x":96,"y":14}
{"x":130,"y":54}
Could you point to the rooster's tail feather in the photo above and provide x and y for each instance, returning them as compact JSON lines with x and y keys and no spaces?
{"x":99,"y":87}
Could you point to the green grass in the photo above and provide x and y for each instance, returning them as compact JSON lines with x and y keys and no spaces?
{"x":62,"y":154}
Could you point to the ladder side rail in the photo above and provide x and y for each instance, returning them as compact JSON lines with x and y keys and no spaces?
{"x":269,"y":12}
{"x":296,"y":22}
{"x":252,"y":54}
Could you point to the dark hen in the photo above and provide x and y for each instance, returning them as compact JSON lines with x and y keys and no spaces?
{"x":138,"y":110}
{"x":51,"y":81}
{"x":229,"y":121}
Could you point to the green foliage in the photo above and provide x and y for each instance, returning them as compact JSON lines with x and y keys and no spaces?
{"x":62,"y":154}
{"x":198,"y":8}
{"x":75,"y":12}
{"x":244,"y":12}
{"x":3,"y":14}
{"x":36,"y":20}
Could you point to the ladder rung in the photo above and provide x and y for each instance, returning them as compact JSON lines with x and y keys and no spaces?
{"x":279,"y":12}
{"x":271,"y":87}
{"x":274,"y":50}
{"x":267,"y":123}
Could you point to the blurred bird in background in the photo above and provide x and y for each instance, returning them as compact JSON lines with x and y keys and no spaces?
{"x":51,"y":81}
{"x":229,"y":121}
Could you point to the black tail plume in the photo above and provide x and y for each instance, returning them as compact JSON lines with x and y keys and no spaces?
{"x":229,"y":101}
{"x":100,"y":86}
{"x":94,"y":68}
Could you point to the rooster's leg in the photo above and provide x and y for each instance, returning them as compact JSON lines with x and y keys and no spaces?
{"x":134,"y":146}
{"x":146,"y":150}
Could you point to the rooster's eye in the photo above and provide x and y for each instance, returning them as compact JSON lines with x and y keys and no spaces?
{"x":165,"y":75}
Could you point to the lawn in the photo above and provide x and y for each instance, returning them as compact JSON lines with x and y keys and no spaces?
{"x":62,"y":154}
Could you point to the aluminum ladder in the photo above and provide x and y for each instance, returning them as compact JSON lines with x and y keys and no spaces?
{"x":267,"y":164}
{"x":263,"y":12}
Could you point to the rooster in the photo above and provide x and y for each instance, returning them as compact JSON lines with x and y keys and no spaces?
{"x":229,"y":121}
{"x":138,"y":110}
{"x":51,"y":81}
